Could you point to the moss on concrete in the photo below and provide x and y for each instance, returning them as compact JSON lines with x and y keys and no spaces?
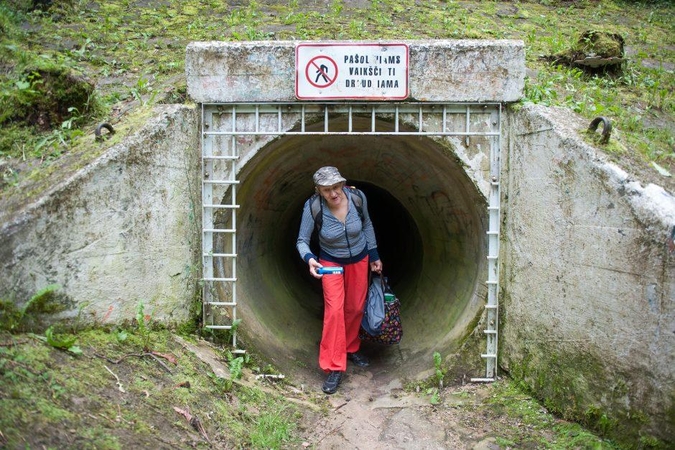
{"x":34,"y":314}
{"x":574,"y":386}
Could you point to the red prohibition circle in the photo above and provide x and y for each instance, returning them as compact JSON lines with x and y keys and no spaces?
{"x":320,"y":72}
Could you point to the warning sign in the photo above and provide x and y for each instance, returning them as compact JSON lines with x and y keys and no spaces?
{"x":338,"y":71}
{"x":326,"y":72}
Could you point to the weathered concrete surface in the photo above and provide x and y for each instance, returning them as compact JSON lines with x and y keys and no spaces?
{"x":452,"y":70}
{"x":118,"y":232}
{"x":589,"y":285}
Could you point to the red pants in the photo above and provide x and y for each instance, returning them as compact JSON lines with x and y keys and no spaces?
{"x":344,"y":297}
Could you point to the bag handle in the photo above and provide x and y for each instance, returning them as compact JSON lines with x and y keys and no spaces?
{"x":381,"y":275}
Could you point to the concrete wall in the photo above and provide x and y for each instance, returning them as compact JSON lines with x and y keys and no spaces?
{"x":118,"y":232}
{"x":588,"y":309}
{"x":452,"y":71}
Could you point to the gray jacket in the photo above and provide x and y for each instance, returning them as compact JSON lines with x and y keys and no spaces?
{"x":341,"y":243}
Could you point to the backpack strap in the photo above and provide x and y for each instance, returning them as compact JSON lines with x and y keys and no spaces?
{"x":357,"y":199}
{"x":316,"y":208}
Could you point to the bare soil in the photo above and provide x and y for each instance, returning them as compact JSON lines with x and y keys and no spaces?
{"x":373,"y":412}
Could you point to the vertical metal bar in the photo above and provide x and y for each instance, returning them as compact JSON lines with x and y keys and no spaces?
{"x":396,"y":119}
{"x":372,"y":119}
{"x":234,"y":260}
{"x":445,"y":118}
{"x":467,"y":126}
{"x":257,"y":118}
{"x":494,"y":220}
{"x":302,"y":119}
{"x":279,"y":119}
{"x":350,"y":127}
{"x":325,"y":118}
{"x":420,"y":121}
{"x":495,"y":169}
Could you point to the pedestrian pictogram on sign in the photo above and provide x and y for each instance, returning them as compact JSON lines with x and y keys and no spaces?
{"x":323,"y":70}
{"x":351,"y":71}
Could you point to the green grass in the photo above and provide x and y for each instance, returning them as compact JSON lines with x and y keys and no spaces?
{"x":139,"y":51}
{"x":114,"y":397}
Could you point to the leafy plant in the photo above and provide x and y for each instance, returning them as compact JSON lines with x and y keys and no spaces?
{"x":435,"y":396}
{"x":121,"y":336}
{"x":143,"y":86}
{"x":229,"y":334}
{"x":62,"y":341}
{"x":142,"y":321}
{"x":439,"y":372}
{"x":43,"y":302}
{"x":540,"y":91}
{"x":236,"y":366}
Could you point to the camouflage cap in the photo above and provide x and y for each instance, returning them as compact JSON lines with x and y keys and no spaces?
{"x":327,"y":176}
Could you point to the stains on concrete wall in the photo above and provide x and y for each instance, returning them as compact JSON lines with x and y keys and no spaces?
{"x":589,"y":280}
{"x":123,"y":230}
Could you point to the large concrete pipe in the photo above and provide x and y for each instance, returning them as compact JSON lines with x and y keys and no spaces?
{"x":430,"y":222}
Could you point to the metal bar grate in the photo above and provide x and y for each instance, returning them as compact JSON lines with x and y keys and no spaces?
{"x":219,"y":184}
{"x":224,"y":124}
{"x":494,"y":218}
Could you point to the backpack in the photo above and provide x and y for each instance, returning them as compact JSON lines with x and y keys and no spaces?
{"x":316,"y":207}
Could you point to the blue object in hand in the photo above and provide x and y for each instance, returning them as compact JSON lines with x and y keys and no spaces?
{"x":330,"y":270}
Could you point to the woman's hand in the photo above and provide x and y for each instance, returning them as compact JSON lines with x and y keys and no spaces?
{"x":376,"y":266}
{"x":313,"y":265}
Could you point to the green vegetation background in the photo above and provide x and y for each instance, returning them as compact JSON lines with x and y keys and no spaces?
{"x":129,"y":54}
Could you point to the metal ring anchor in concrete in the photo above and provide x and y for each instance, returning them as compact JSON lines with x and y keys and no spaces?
{"x":99,"y":136}
{"x":606,"y":128}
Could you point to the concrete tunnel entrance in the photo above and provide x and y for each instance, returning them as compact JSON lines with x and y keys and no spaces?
{"x":430,"y":221}
{"x":424,"y":147}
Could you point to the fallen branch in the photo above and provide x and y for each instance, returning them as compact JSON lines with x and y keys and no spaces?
{"x":269,"y":377}
{"x":13,"y":343}
{"x":158,"y":360}
{"x":119,"y":384}
{"x":168,"y":356}
{"x":153,"y":355}
{"x":193,"y":421}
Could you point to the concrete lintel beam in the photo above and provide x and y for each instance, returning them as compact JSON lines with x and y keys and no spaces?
{"x":440,"y":71}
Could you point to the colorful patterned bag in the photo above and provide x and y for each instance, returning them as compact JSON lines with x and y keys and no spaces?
{"x":391,"y":330}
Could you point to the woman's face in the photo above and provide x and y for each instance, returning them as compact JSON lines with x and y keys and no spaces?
{"x":332,"y":194}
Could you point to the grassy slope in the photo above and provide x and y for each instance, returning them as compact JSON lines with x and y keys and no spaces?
{"x":115,"y":396}
{"x":134,"y":52}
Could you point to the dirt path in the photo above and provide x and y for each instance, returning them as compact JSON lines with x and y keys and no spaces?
{"x":372,"y":411}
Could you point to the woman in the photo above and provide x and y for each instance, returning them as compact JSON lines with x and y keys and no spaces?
{"x":347,"y":240}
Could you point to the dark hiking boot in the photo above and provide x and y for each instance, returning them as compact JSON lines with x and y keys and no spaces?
{"x":358,"y":359}
{"x":332,"y":382}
